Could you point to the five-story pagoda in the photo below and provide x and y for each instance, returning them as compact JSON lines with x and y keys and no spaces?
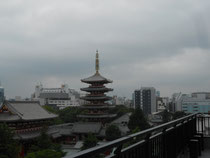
{"x":96,"y":106}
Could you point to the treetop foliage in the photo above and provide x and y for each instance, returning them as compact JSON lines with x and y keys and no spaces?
{"x":8,"y":146}
{"x":178,"y":114}
{"x":120,"y":110}
{"x":112,"y":132}
{"x":45,"y":147}
{"x":166,"y":116}
{"x":138,"y":119}
{"x":46,"y":153}
{"x":90,"y":141}
{"x":69,"y":114}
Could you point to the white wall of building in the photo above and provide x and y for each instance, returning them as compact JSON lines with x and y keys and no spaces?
{"x":72,"y":100}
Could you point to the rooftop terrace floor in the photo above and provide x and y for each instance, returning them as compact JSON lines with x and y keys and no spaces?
{"x":205,"y":153}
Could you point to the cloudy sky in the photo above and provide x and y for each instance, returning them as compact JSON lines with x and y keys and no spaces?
{"x":159,"y":43}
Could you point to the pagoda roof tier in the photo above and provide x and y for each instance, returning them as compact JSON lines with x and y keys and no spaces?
{"x":98,"y":104}
{"x":97,"y":116}
{"x":102,"y":89}
{"x":96,"y":78}
{"x":92,"y":98}
{"x":97,"y":107}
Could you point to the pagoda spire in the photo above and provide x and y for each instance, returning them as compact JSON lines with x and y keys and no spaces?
{"x":97,"y":62}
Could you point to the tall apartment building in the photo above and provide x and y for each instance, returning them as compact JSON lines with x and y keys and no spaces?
{"x":145,"y":98}
{"x":137,"y":99}
{"x":1,"y":95}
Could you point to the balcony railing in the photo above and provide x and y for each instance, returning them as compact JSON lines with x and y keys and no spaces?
{"x":165,"y":141}
{"x":203,"y":124}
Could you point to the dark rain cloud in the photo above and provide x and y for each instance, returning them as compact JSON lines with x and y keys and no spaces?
{"x":162,"y":43}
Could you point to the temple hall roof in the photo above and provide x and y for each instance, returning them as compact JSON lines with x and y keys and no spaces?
{"x":26,"y":111}
{"x":87,"y":127}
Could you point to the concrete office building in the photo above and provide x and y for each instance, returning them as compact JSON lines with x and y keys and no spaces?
{"x":57,"y":97}
{"x":176,"y":102}
{"x":145,"y":98}
{"x":198,"y":102}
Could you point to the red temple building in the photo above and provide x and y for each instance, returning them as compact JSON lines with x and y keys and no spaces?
{"x":96,"y":107}
{"x":26,"y":119}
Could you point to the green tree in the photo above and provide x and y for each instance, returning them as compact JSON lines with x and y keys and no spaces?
{"x":90,"y":141}
{"x":120,"y":110}
{"x":135,"y":140}
{"x":166,"y":116}
{"x":69,"y":114}
{"x":57,"y":120}
{"x":43,"y":145}
{"x":8,"y":146}
{"x":44,"y":141}
{"x":178,"y":114}
{"x":51,"y":109}
{"x":138,"y":119}
{"x":47,"y":153}
{"x":112,"y":133}
{"x":135,"y":130}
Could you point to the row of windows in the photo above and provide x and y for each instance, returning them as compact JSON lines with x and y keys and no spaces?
{"x":195,"y":103}
{"x":59,"y":101}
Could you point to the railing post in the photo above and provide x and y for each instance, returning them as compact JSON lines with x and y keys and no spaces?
{"x":148,"y":146}
{"x":194,"y":124}
{"x":174,"y":142}
{"x":202,"y":130}
{"x":117,"y":152}
{"x":193,"y":148}
{"x":164,"y":143}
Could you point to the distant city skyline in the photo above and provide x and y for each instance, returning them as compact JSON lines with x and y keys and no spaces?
{"x":162,"y":44}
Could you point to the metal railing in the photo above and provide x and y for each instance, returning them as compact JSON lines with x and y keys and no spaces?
{"x":203,"y":124}
{"x":164,"y":141}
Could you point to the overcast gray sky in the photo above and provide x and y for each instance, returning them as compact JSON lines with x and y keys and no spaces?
{"x":159,"y":43}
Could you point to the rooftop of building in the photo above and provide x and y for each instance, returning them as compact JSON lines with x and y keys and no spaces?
{"x":87,"y":127}
{"x":145,"y":88}
{"x":97,"y":77}
{"x":24,"y":111}
{"x":54,"y":95}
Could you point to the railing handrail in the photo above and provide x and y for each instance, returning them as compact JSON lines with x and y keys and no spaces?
{"x":120,"y":141}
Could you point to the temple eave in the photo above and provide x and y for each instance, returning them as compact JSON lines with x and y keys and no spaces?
{"x":96,"y":107}
{"x":96,"y":98}
{"x":96,"y":81}
{"x":97,"y":116}
{"x":96,"y":89}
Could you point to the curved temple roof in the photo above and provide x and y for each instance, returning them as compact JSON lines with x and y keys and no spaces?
{"x":96,"y":78}
{"x":96,"y":98}
{"x":97,"y":115}
{"x":25,"y":111}
{"x":90,"y":89}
